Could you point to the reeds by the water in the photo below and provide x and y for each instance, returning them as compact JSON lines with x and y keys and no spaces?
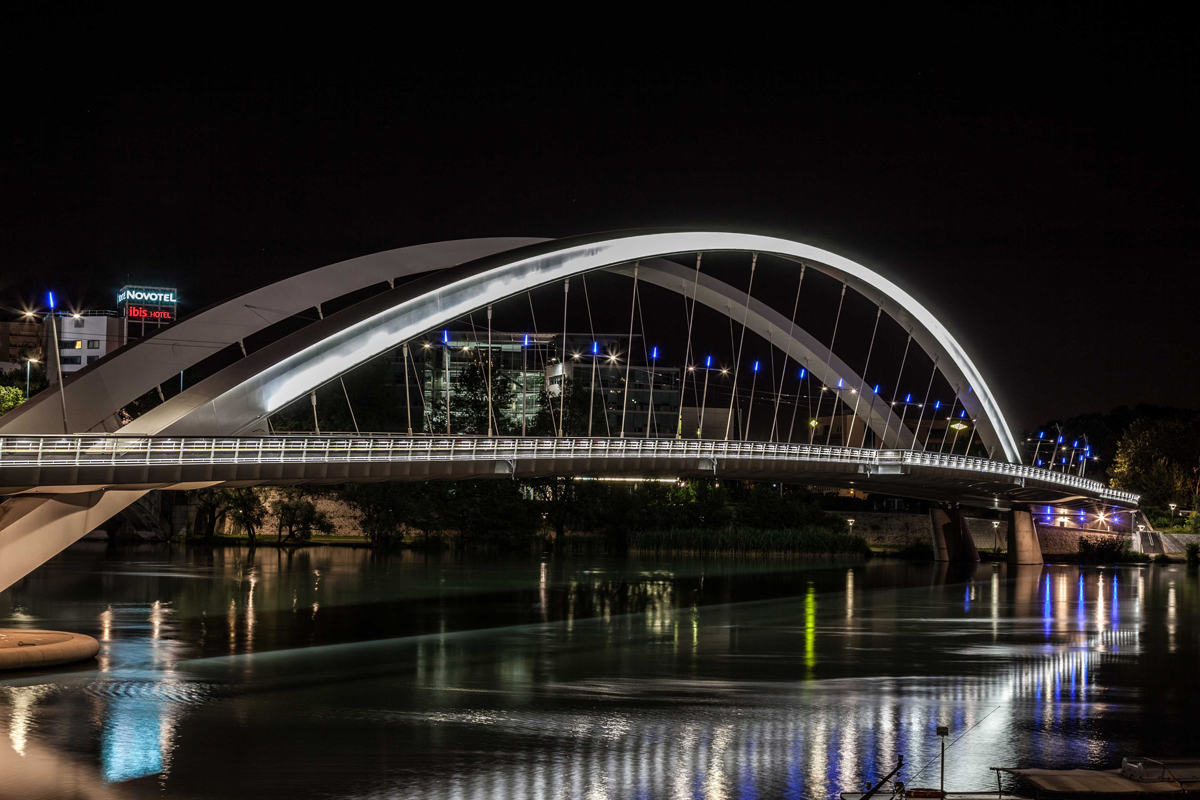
{"x":797,"y":541}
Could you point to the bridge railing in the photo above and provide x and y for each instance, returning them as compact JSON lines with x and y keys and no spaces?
{"x":95,"y":450}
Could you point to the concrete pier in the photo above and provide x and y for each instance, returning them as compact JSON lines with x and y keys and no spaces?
{"x":951,"y":537}
{"x":1023,"y":545}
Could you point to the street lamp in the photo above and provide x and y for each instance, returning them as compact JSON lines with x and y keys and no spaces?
{"x":996,"y":531}
{"x":28,"y":361}
{"x":851,"y":523}
{"x":1172,"y":505}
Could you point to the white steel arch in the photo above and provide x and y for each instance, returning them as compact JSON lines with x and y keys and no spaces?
{"x":241,"y":397}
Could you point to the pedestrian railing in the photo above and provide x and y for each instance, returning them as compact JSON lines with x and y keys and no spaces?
{"x":93,"y":450}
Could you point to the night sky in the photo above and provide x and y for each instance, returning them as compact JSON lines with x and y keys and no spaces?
{"x":1031,"y":177}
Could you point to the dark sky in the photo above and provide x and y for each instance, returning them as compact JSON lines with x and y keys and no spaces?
{"x":1030,"y":175}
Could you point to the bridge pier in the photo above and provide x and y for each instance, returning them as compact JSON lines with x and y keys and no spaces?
{"x":1023,"y":545}
{"x":951,"y":537}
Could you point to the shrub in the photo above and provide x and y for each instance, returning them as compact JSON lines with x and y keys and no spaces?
{"x":1162,"y":558}
{"x":1192,"y":550}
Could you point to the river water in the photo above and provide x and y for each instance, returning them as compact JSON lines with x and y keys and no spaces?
{"x":332,"y":672}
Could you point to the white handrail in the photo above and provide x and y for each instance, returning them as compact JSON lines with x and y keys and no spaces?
{"x":113,"y":450}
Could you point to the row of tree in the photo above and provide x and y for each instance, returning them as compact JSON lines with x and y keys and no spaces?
{"x":511,"y":514}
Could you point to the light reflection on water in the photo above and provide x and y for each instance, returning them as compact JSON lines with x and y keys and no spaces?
{"x":344,"y":673}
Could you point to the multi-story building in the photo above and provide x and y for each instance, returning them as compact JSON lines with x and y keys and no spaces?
{"x":527,"y":364}
{"x":19,"y":340}
{"x":83,"y":338}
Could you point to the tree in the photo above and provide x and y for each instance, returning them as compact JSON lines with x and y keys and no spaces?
{"x":1158,"y":458}
{"x":246,"y":509}
{"x":384,"y":509}
{"x":297,"y":516}
{"x":10,"y":398}
{"x":212,"y":506}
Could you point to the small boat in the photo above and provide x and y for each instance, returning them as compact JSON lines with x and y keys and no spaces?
{"x":1136,"y":777}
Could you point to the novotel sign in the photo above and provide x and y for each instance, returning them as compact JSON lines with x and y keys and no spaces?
{"x":146,"y":295}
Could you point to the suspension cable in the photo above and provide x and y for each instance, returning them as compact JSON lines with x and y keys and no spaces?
{"x":591,"y":329}
{"x":562,"y":402}
{"x":805,"y":374}
{"x":896,"y":389}
{"x":921,"y":416}
{"x":649,"y":367}
{"x":687,"y":356}
{"x":786,"y":352}
{"x":341,"y":380}
{"x":946,"y":430}
{"x":825,"y":377}
{"x":862,"y":380}
{"x":541,"y":358}
{"x":737,"y":361}
{"x":421,"y":393}
{"x":629,"y":348}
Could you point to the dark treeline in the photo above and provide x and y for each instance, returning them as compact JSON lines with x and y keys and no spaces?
{"x":1151,"y":450}
{"x":550,"y":512}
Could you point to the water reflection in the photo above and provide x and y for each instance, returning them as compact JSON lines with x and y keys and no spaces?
{"x":350,"y":674}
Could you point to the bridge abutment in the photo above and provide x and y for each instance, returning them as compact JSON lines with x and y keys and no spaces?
{"x":951,"y":536}
{"x":1023,"y":545}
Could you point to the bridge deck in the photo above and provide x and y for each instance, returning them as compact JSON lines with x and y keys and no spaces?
{"x":64,"y":464}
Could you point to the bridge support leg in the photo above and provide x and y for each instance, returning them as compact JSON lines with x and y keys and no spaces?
{"x":1023,"y":545}
{"x":951,"y":538}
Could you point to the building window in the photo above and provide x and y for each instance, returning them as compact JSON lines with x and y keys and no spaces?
{"x":69,"y":360}
{"x":70,"y":344}
{"x":93,"y":358}
{"x":79,"y":323}
{"x":93,"y":344}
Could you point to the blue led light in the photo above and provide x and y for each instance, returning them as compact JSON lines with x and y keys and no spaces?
{"x":595,"y":348}
{"x":445,"y":337}
{"x":526,"y":341}
{"x":654,"y":353}
{"x":962,"y":414}
{"x":1060,"y":438}
{"x":803,"y":372}
{"x":1075,"y":443}
{"x":708,"y":361}
{"x":877,"y":388}
{"x":937,"y":405}
{"x":51,"y":300}
{"x":756,"y":366}
{"x":1041,"y":434}
{"x":839,"y":383}
{"x":908,"y":397}
{"x":1040,"y":462}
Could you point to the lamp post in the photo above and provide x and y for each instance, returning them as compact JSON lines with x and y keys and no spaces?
{"x":750,"y":405}
{"x":592,"y":394}
{"x":62,"y":385}
{"x":996,"y":531}
{"x":524,"y":380}
{"x":446,"y":342}
{"x":704,"y":398}
{"x":1171,"y":505}
{"x":650,"y":410}
{"x":28,"y":361}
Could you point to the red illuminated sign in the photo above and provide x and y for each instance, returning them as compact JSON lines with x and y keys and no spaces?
{"x":141,"y":312}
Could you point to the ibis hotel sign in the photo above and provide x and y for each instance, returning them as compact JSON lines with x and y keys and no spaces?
{"x":148,"y":303}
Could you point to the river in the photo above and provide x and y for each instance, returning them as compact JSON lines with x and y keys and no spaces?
{"x":335,"y":672}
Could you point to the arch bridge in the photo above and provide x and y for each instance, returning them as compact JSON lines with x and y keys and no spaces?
{"x":70,"y":459}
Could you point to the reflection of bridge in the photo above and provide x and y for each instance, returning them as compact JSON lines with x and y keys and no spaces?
{"x":424,"y":288}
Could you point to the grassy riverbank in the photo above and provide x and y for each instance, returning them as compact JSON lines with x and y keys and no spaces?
{"x":742,"y":540}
